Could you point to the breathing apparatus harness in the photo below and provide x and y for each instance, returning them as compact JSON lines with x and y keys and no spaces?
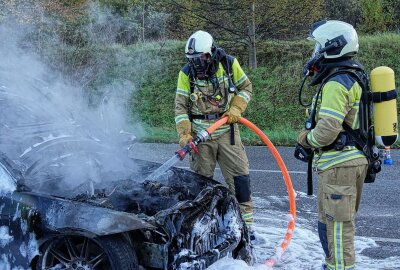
{"x":362,"y":138}
{"x":219,"y":56}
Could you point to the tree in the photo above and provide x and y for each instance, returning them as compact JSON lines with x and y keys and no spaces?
{"x":252,"y":36}
{"x":344,"y":10}
{"x":392,"y":9}
{"x":245,"y":22}
{"x":373,"y":17}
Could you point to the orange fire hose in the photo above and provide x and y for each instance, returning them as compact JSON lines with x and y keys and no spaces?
{"x":292,"y":197}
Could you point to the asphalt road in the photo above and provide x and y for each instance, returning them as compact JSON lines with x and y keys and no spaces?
{"x":379,"y":214}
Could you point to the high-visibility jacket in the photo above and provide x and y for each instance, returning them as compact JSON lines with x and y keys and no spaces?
{"x":338,"y":103}
{"x":218,"y":100}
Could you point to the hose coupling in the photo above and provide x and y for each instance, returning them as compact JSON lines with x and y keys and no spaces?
{"x":202,"y":136}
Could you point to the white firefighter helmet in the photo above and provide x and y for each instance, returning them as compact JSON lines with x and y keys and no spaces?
{"x":334,"y":39}
{"x":199,"y":43}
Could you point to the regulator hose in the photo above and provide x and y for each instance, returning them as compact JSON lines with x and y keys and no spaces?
{"x":292,"y":195}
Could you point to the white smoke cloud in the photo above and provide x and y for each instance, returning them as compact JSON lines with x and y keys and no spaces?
{"x":56,"y":129}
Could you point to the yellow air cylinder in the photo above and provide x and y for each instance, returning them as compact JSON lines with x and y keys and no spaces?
{"x":385,"y":112}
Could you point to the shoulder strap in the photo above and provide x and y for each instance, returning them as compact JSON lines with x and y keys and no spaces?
{"x":364,"y":137}
{"x":227,"y":63}
{"x":191,"y":79}
{"x":365,"y":109}
{"x":366,"y":97}
{"x":191,"y":86}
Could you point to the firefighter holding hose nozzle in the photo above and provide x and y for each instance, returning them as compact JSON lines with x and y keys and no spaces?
{"x":211,"y":85}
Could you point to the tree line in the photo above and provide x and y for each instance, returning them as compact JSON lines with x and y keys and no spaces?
{"x":233,"y":23}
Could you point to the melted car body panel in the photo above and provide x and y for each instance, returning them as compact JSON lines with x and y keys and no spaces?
{"x":183,"y":221}
{"x":59,"y":214}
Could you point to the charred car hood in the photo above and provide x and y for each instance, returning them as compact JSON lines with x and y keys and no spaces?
{"x":114,"y":206}
{"x":61,"y":215}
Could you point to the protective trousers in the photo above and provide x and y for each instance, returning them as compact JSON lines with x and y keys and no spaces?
{"x":234,"y":165}
{"x":339,"y":196}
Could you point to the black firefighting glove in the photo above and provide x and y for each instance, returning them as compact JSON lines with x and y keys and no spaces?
{"x":303,"y":149}
{"x":302,"y":138}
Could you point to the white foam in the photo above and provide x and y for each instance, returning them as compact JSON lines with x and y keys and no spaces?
{"x":7,"y":183}
{"x":5,"y":237}
{"x":304,"y":251}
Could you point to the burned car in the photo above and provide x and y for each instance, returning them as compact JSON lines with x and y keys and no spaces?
{"x":182,"y":222}
{"x":72,"y":198}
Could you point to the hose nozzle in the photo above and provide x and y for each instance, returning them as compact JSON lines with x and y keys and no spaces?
{"x":202,"y":136}
{"x":186,"y":149}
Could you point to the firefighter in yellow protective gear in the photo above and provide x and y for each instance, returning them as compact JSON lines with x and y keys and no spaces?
{"x":212,"y":85}
{"x":341,"y":166}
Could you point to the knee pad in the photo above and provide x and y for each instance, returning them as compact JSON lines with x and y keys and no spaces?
{"x":242,"y":188}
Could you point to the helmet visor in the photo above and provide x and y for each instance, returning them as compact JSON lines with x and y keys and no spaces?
{"x":193,"y":55}
{"x":316,"y":50}
{"x":200,"y":55}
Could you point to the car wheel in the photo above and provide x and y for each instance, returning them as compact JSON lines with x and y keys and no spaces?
{"x":83,"y":253}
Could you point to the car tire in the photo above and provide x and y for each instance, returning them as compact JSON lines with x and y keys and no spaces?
{"x":115,"y":253}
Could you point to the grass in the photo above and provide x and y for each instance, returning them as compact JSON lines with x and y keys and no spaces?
{"x":278,"y":137}
{"x":153,"y":69}
{"x":274,"y":107}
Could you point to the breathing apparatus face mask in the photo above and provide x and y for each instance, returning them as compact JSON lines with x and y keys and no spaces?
{"x":332,"y":47}
{"x":201,"y":64}
{"x":204,"y":66}
{"x":312,"y":65}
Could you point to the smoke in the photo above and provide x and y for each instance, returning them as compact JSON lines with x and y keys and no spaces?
{"x":67,"y":129}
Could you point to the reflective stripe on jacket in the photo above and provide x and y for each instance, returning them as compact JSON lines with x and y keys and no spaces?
{"x":204,"y":106}
{"x":339,"y":102}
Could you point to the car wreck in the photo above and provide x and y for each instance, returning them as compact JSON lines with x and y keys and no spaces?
{"x":184,"y":221}
{"x":72,"y":198}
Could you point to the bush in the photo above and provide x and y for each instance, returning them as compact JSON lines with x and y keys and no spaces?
{"x":276,"y":82}
{"x":374,"y":17}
